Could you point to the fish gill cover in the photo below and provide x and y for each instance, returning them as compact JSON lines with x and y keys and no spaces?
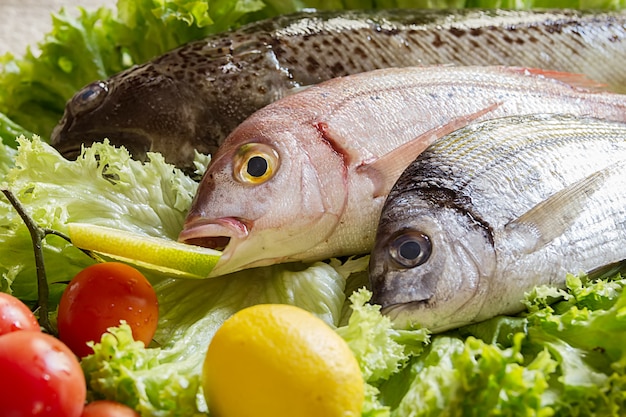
{"x":565,"y":356}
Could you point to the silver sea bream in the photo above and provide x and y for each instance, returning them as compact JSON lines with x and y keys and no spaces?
{"x":494,"y":209}
{"x":305,"y":177}
{"x":192,"y":97}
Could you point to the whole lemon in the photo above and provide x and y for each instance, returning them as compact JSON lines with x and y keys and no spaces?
{"x":280,"y":360}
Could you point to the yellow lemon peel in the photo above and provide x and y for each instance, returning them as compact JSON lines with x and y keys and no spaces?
{"x":280,"y":360}
{"x":163,"y":255}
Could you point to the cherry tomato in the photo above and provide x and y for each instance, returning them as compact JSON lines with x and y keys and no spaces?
{"x":15,"y":315}
{"x":99,"y":297}
{"x":40,"y":376}
{"x":105,"y":408}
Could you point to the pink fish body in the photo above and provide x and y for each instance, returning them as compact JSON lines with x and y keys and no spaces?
{"x":305,"y":177}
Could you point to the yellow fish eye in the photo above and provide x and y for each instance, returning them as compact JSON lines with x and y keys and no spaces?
{"x":255,"y":163}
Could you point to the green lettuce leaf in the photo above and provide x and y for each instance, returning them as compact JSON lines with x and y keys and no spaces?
{"x":561,"y":358}
{"x":107,"y":188}
{"x":123,"y":369}
{"x":381,"y":350}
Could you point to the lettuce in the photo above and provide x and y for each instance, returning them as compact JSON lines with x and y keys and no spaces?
{"x":107,"y":188}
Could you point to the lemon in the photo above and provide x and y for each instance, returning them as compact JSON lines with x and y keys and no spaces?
{"x":163,"y":255}
{"x":280,"y":360}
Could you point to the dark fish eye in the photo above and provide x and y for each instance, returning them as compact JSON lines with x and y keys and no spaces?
{"x":411,"y":249}
{"x":257,"y":166}
{"x":90,"y":97}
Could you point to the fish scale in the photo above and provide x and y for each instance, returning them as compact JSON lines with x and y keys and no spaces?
{"x":192,"y":97}
{"x":527,"y":200}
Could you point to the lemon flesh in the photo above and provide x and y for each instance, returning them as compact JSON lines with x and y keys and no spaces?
{"x":280,"y":360}
{"x":163,"y":255}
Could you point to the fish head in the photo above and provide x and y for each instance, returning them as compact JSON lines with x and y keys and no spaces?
{"x":143,"y":110}
{"x":188,"y":99}
{"x":271,"y":193}
{"x":429,"y":265}
{"x":139,"y":109}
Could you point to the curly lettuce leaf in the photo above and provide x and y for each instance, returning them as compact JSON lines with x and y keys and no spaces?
{"x":123,"y":369}
{"x":78,"y":50}
{"x":573,"y":337}
{"x":104,"y":186}
{"x":380,"y":349}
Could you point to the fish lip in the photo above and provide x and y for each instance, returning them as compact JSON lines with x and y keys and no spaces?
{"x":396,"y":312}
{"x":69,"y":143}
{"x":393,"y":310}
{"x":215,"y":234}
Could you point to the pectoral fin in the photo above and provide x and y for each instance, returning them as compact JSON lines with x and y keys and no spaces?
{"x":552,"y":217}
{"x":385,"y":170}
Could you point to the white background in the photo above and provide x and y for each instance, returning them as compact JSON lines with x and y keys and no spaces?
{"x":25,"y":22}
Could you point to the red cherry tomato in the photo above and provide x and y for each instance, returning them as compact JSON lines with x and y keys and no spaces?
{"x":40,"y":376}
{"x":105,"y":408}
{"x":15,"y":315}
{"x":99,"y":297}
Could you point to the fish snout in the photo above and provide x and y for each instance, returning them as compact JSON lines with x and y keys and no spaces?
{"x":214,"y":234}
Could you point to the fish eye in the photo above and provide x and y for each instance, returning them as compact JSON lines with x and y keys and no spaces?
{"x":410,"y":249}
{"x":90,"y":97}
{"x":255,"y":163}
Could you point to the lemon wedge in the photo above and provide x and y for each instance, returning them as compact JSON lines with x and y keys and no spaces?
{"x":163,"y":255}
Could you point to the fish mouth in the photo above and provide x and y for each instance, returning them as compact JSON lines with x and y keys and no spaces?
{"x":395,"y":310}
{"x":215,"y":234}
{"x":416,"y":314}
{"x":69,"y":144}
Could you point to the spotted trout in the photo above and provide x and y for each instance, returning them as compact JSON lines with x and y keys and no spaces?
{"x":305,"y":177}
{"x":493,"y":210}
{"x":192,"y":97}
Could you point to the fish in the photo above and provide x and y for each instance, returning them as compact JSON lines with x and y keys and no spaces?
{"x":494,"y":209}
{"x":191,"y":98}
{"x":305,"y":177}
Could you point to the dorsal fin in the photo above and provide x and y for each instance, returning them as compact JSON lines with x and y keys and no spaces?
{"x":574,"y":80}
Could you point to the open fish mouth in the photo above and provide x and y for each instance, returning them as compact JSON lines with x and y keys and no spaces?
{"x":215,"y":234}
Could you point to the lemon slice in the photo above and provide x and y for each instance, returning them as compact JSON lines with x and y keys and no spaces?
{"x":163,"y":255}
